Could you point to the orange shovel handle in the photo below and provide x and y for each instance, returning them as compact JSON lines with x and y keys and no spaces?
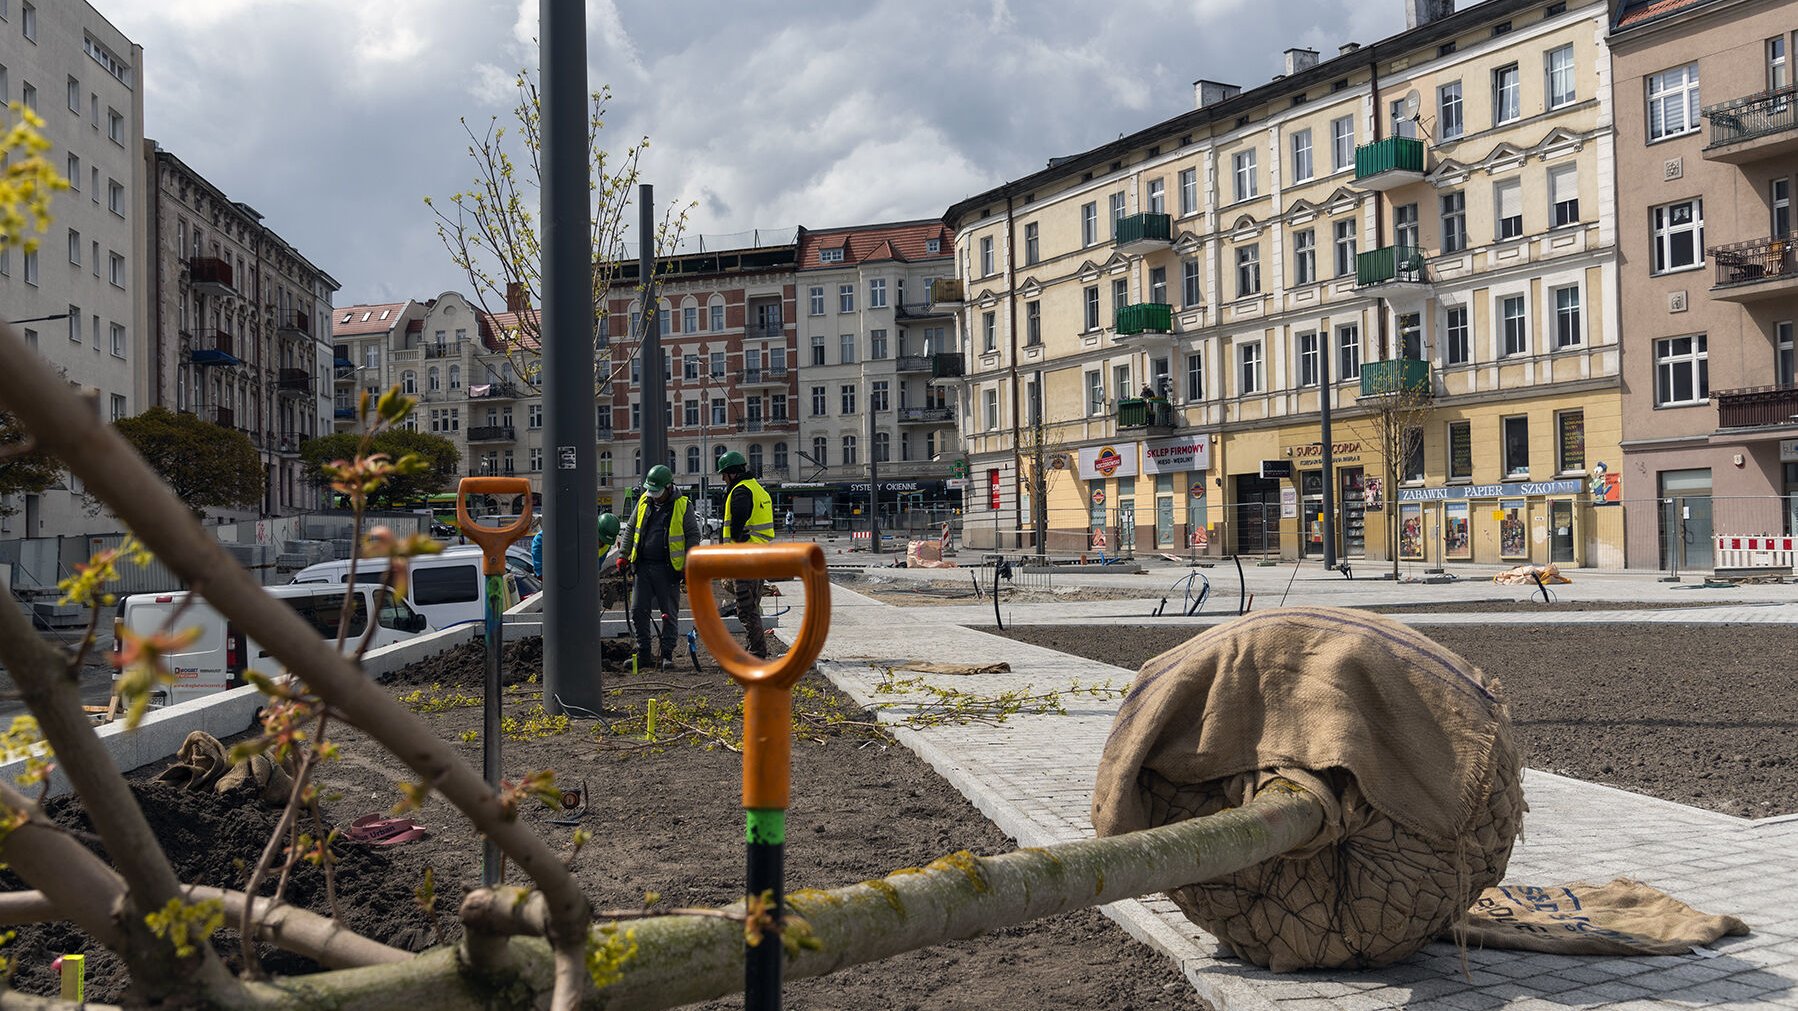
{"x":493,"y":540}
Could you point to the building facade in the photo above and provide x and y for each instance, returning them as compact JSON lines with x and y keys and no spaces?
{"x":871,"y":326}
{"x":79,"y":297}
{"x":1425,"y":220}
{"x":237,"y":329}
{"x":1707,"y":135}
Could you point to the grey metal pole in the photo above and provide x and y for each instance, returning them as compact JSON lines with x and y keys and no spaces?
{"x":873,"y":472}
{"x":655,"y":388}
{"x":571,"y":539}
{"x":1325,"y":394}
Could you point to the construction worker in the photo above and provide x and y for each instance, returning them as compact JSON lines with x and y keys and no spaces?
{"x":655,"y":547}
{"x":608,"y":534}
{"x":748,"y":519}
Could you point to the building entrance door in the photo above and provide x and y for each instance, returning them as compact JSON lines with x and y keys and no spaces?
{"x":1257,"y":515}
{"x":1686,"y":518}
{"x":1560,"y":531}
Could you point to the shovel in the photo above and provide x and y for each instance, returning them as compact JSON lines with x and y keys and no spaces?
{"x":493,"y":542}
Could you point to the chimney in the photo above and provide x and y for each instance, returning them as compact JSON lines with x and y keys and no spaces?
{"x":1300,"y":59}
{"x":516,"y":299}
{"x":1207,"y":93}
{"x":1422,"y":12}
{"x":1347,"y":48}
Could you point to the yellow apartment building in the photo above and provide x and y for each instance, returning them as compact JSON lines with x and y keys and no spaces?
{"x":1426,"y":221}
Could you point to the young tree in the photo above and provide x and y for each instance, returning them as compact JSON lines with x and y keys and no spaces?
{"x":1043,"y":457}
{"x":23,"y":470}
{"x":441,"y":462}
{"x":1400,"y":394}
{"x":207,"y":465}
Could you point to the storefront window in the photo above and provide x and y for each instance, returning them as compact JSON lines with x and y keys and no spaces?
{"x":1513,"y":529}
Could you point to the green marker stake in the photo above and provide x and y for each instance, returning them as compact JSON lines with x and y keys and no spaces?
{"x":649,"y":722}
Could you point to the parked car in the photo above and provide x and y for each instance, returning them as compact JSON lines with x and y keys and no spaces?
{"x":446,"y":588}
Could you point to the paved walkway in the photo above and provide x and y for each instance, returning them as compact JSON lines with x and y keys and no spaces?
{"x":1033,"y":778}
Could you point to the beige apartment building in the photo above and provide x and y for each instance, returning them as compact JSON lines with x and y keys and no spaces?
{"x":1707,"y":135}
{"x":1430,"y":213}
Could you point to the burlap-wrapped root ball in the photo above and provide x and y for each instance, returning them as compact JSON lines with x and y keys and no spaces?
{"x":1408,"y":745}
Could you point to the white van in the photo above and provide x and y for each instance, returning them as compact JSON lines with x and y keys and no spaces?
{"x":217,"y":659}
{"x":446,"y":588}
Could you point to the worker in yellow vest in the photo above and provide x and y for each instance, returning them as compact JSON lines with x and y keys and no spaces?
{"x":748,"y":519}
{"x":655,"y":543}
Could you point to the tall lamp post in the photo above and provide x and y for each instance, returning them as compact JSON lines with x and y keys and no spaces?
{"x":37,"y":319}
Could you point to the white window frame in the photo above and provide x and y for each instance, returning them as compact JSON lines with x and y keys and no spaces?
{"x":1673,"y":102}
{"x":1095,"y":392}
{"x":1560,"y":77}
{"x":1250,"y":365}
{"x":1089,"y":223}
{"x":1195,"y":375}
{"x":1512,"y":324}
{"x":1303,"y":166}
{"x":1248,"y":270}
{"x":1693,"y":359}
{"x":1090,"y":305}
{"x":1304,"y":256}
{"x":986,"y":256}
{"x":1158,"y":196}
{"x":1457,"y":335}
{"x":1189,"y":191}
{"x":1342,"y":142}
{"x":816,"y":296}
{"x":1507,"y":191}
{"x":1507,"y":94}
{"x":877,"y":293}
{"x":1563,"y":196}
{"x":1307,"y":358}
{"x":1451,"y":111}
{"x":1785,"y":363}
{"x":1348,"y":353}
{"x":1661,"y":235}
{"x":1454,"y":220}
{"x":1569,"y":325}
{"x":1346,"y":238}
{"x":845,"y":298}
{"x":1192,"y":283}
{"x":1242,"y":165}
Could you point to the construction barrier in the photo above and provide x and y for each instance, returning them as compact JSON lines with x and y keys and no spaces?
{"x":1736,"y":551}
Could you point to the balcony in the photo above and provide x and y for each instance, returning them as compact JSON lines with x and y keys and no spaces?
{"x":297,"y":325}
{"x":1143,"y":233}
{"x":293,"y":383}
{"x":1755,"y":270}
{"x":492,"y":433}
{"x":948,"y":365}
{"x":211,"y":275}
{"x":1399,"y":274}
{"x":1388,"y":164}
{"x":213,"y":347}
{"x":344,"y":412}
{"x":944,"y":415}
{"x":1752,"y":128}
{"x":223,"y":417}
{"x":1145,"y":317}
{"x":752,"y":426}
{"x":1408,"y":376}
{"x":946,"y":293}
{"x":907,"y":364}
{"x":448,"y":349}
{"x":286,"y":443}
{"x":1144,"y":413}
{"x":769,"y":330}
{"x":767,"y":375}
{"x":493,"y":391}
{"x":922,"y":310}
{"x":1760,"y":407}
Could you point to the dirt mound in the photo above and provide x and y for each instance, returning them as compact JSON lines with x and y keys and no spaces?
{"x":521,"y":662}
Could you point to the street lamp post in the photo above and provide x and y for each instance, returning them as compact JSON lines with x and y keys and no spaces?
{"x":37,"y":319}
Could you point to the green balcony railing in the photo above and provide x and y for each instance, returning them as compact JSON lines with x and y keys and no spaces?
{"x":1389,"y":264}
{"x":1145,"y":227}
{"x":1145,"y":317}
{"x":1400,"y":375}
{"x":1394,"y":154}
{"x":1144,"y":412}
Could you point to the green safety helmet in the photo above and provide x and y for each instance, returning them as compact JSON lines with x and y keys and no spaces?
{"x":608,"y":527}
{"x":658,"y":479}
{"x":732,"y":460}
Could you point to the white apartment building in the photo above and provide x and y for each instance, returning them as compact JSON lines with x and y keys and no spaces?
{"x":78,"y":298}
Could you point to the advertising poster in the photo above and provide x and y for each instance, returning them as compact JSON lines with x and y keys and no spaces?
{"x":1457,"y":540}
{"x":1410,"y":531}
{"x":1374,"y":494}
{"x":1513,"y":529}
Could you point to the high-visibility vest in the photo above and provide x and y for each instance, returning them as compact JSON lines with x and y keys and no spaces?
{"x":677,"y":531}
{"x":761,"y":513}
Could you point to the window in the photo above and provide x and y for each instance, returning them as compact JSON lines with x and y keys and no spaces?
{"x":989,"y":332}
{"x":1678,"y":234}
{"x":930,"y":246}
{"x":847,"y":391}
{"x":1189,"y":283}
{"x":1304,"y":256}
{"x":1158,"y":285}
{"x":28,"y":22}
{"x":1451,"y":120}
{"x":1117,"y":213}
{"x":1460,"y":451}
{"x":1092,"y":307}
{"x":456,"y":584}
{"x":74,"y":172}
{"x":115,"y":126}
{"x":1779,"y":73}
{"x":1673,"y":102}
{"x":1682,"y":371}
{"x":780,"y":456}
{"x":820,"y":451}
{"x":1507,"y":94}
{"x":820,"y":398}
{"x":1248,"y":368}
{"x":1301,"y":156}
{"x":1248,"y":271}
{"x":719,"y":414}
{"x":1308,"y":365}
{"x":1120,"y":295}
{"x":1563,"y":196}
{"x":1779,"y":202}
{"x":834,"y":255}
{"x":1516,"y":446}
{"x":1032,"y":249}
{"x":877,"y":293}
{"x":75,"y":324}
{"x":1095,"y":392}
{"x":1784,"y":365}
{"x":1089,"y":223}
{"x":849,"y":454}
{"x":1402,"y":125}
{"x":115,"y":269}
{"x":689,"y":368}
{"x":845,"y":298}
{"x":1454,"y":222}
{"x":1033,"y":324}
{"x":1158,"y":196}
{"x":115,"y":197}
{"x":689,"y":319}
{"x":1244,"y":165}
{"x":1558,"y":65}
{"x":986,"y":257}
{"x":1411,"y":470}
{"x":433,"y":379}
{"x":1567,"y":323}
{"x":1345,"y":248}
{"x":1348,"y":353}
{"x":878,"y":395}
{"x":1342,"y":142}
{"x":534,"y":416}
{"x":1515,"y":331}
{"x":1405,"y":226}
{"x":817,"y":301}
{"x":989,"y":409}
{"x":1507,"y":203}
{"x":1570,"y":442}
{"x":1195,"y":376}
{"x":74,"y":247}
{"x":817,"y":349}
{"x":690,"y":414}
{"x":1457,"y":339}
{"x":118,"y":340}
{"x":28,"y":95}
{"x":1189,"y":191}
{"x":846,"y":348}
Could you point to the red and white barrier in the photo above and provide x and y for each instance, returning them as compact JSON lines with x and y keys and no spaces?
{"x":1735,"y":551}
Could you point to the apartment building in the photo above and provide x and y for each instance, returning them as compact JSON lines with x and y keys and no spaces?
{"x":237,"y":332}
{"x":729,"y":346}
{"x":1429,"y":214}
{"x":79,"y":297}
{"x":873,"y":322}
{"x":1707,"y":135}
{"x":363,"y":339}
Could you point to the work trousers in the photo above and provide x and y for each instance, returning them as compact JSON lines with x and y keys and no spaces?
{"x":749,"y":611}
{"x":657,"y":586}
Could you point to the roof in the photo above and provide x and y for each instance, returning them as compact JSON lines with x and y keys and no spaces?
{"x":903,"y":241}
{"x":363,"y":320}
{"x":1634,"y":13}
{"x":524,"y":324}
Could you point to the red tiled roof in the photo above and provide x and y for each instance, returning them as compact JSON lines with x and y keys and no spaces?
{"x":494,"y":324}
{"x":902,"y":240}
{"x":1647,"y":10}
{"x":362,"y":320}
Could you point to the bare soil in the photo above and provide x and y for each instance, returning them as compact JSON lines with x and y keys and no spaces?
{"x":1699,"y":714}
{"x":665,"y":817}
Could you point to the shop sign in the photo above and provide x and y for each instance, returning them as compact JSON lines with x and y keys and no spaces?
{"x":1100,"y":462}
{"x":1176,"y":456}
{"x":956,"y":484}
{"x":1312,"y":454}
{"x":1197,"y":490}
{"x":1512,"y":489}
{"x":1098,"y":496}
{"x":1276,"y":469}
{"x":1788,"y":450}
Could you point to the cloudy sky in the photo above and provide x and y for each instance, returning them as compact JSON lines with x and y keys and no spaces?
{"x":335,"y":118}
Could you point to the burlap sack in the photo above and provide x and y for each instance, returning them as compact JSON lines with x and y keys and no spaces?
{"x":203,"y":765}
{"x":1622,"y":918}
{"x":1409,"y":746}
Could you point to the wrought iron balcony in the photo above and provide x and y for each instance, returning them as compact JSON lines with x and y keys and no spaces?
{"x":493,"y":391}
{"x":223,"y":417}
{"x":927,"y":415}
{"x":492,"y":433}
{"x":294,"y":324}
{"x":1389,"y":163}
{"x":1400,"y":375}
{"x":286,"y":443}
{"x":768,"y":331}
{"x":1143,"y":233}
{"x":1145,"y":317}
{"x":1756,"y":270}
{"x":214,"y":347}
{"x":1138,"y":413}
{"x":767,"y":375}
{"x":948,"y":365}
{"x":448,"y":349}
{"x":211,"y":275}
{"x":1752,"y":128}
{"x":752,"y":426}
{"x":1759,"y":407}
{"x":922,"y":310}
{"x":912,"y":363}
{"x":293,"y":383}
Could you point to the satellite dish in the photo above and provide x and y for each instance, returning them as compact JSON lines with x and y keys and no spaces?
{"x":1412,"y":102}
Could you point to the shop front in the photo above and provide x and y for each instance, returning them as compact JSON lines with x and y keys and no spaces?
{"x":1142,"y":496}
{"x":1351,"y":497}
{"x":843,"y":505}
{"x":1512,"y":522}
